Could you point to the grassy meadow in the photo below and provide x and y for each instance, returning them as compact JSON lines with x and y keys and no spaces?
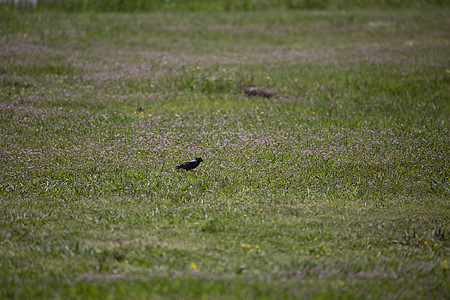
{"x":337,"y":188}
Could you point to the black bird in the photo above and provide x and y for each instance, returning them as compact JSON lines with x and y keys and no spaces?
{"x":189,"y":165}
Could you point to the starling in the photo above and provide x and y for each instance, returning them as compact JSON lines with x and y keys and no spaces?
{"x":253,"y":91}
{"x":189,"y":165}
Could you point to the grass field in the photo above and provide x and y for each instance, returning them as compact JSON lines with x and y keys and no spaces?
{"x":336,"y":188}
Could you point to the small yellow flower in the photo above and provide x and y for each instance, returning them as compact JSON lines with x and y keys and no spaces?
{"x":444,"y":265}
{"x":243,"y":245}
{"x":313,"y":113}
{"x":378,"y":255}
{"x":134,"y":112}
{"x":268,"y":77}
{"x":115,"y":112}
{"x":285,"y":137}
{"x":262,"y":112}
{"x":245,"y":216}
{"x":22,"y":91}
{"x":25,"y":118}
{"x":222,"y":269}
{"x":50,"y":92}
{"x":257,"y":117}
{"x":178,"y":115}
{"x":318,"y":255}
{"x":447,"y":71}
{"x":71,"y":87}
{"x":341,"y":283}
{"x":142,"y":112}
{"x":425,"y":243}
{"x":198,"y":68}
{"x":436,"y":244}
{"x":316,"y":239}
{"x":149,"y":115}
{"x":194,"y":266}
{"x":257,"y":246}
{"x":230,"y":78}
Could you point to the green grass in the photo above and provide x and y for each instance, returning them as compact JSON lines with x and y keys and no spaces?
{"x":215,"y":5}
{"x":337,"y":188}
